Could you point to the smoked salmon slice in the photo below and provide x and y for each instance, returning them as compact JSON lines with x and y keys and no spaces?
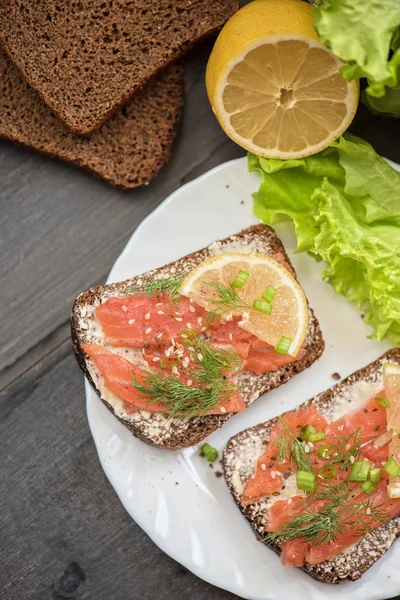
{"x":118,"y":374}
{"x":268,"y":476}
{"x":136,"y":320}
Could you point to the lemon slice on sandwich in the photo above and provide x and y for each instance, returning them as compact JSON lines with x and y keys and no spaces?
{"x":256,"y":288}
{"x":391,"y":383}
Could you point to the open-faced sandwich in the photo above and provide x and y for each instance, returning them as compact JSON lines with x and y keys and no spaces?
{"x":321,"y":484}
{"x":177,"y":351}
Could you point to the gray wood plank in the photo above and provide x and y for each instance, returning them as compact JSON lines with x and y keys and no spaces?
{"x":61,"y":229}
{"x":59,"y":512}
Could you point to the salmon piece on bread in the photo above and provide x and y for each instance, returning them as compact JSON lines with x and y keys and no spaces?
{"x":155,"y":427}
{"x":349,"y":410}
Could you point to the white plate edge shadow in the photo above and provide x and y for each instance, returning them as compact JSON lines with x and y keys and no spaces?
{"x":119,"y":438}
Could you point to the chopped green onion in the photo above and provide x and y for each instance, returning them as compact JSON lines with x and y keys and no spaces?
{"x":269,"y":294}
{"x":392,"y":467}
{"x":188,"y":335}
{"x":359,"y":470}
{"x":306,"y":481}
{"x":375,"y":475}
{"x":317,"y":436}
{"x":328,"y":472}
{"x":283,"y":345}
{"x":240,"y":279}
{"x":263,"y":307}
{"x":383,"y":402}
{"x":170,"y":361}
{"x":325,"y":451}
{"x":368,"y":488}
{"x":305,"y":432}
{"x":210,"y":453}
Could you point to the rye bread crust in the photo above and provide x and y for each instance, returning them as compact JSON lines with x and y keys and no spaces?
{"x":180,"y":435}
{"x":253,"y":440}
{"x":87,"y":59}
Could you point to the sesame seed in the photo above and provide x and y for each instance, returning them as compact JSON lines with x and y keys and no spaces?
{"x":223,"y":409}
{"x":348,"y":446}
{"x":368,"y":511}
{"x":203,"y":329}
{"x":263,"y":466}
{"x":230,"y":337}
{"x":185,"y":365}
{"x":306,"y":448}
{"x":290,"y":501}
{"x":192,"y":308}
{"x":160,"y":312}
{"x":188,"y":325}
{"x":189,"y":382}
{"x":131,"y":321}
{"x":183,"y":334}
{"x":147,"y":316}
{"x":273,"y":474}
{"x":167,"y":353}
{"x":200,"y":357}
{"x":159,"y":335}
{"x":179,"y":319}
{"x":200,"y":320}
{"x":124,"y":308}
{"x":340,"y":428}
{"x":159,"y":304}
{"x":171,"y":349}
{"x":175,"y":370}
{"x":148,"y":330}
{"x":190,"y":300}
{"x":352,"y":459}
{"x":190,"y":348}
{"x":156,"y":359}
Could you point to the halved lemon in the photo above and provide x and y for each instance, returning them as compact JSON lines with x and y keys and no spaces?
{"x":289,"y":314}
{"x":275,"y":89}
{"x":391,"y":384}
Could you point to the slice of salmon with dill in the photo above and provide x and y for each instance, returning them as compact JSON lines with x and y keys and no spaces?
{"x":191,"y":352}
{"x":341,"y":471}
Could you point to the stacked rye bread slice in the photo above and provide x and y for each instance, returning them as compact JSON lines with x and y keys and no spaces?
{"x":95,"y":83}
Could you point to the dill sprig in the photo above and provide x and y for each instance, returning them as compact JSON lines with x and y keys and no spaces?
{"x":228,"y":300}
{"x":209,"y":386}
{"x":324,"y":524}
{"x":180,"y":400}
{"x":167,"y":285}
{"x":347,"y":447}
{"x":291,"y":447}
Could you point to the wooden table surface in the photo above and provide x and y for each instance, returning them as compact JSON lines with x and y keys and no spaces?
{"x":63,"y":532}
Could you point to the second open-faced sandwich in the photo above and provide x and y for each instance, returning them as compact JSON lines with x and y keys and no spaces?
{"x":177,"y":351}
{"x":321,"y":484}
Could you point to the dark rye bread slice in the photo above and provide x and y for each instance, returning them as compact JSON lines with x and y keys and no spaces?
{"x":128,"y":150}
{"x":152,"y":428}
{"x":86,"y":58}
{"x":244,"y":449}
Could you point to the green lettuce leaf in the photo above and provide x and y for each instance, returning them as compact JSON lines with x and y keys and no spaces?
{"x":363,"y":33}
{"x":345,"y":206}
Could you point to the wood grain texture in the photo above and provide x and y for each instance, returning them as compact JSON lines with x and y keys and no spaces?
{"x":63,"y":532}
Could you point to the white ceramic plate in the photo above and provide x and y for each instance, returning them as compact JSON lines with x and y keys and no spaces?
{"x":175,"y":496}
